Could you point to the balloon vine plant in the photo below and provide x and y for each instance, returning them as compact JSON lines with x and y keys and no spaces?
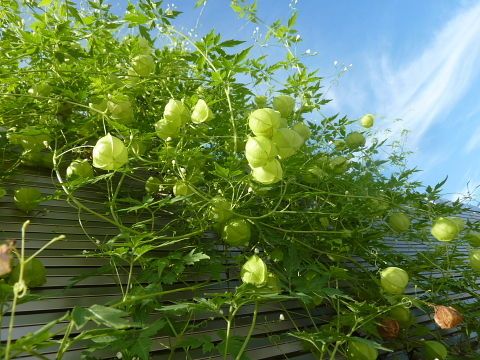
{"x":199,"y":137}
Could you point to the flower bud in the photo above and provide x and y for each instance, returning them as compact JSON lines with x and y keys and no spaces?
{"x":201,"y":112}
{"x":355,"y":140}
{"x":79,"y":169}
{"x":367,"y":120}
{"x":143,"y":65}
{"x":287,"y":141}
{"x":445,"y":229}
{"x":27,"y":199}
{"x":399,"y":222}
{"x":389,"y":328}
{"x":434,"y":350}
{"x":120,"y":108}
{"x":236,"y":232}
{"x":264,"y":122}
{"x":447,"y":317}
{"x":394,"y":280}
{"x":166,"y":129}
{"x":259,"y":150}
{"x":109,"y":153}
{"x":475,"y":259}
{"x":254,"y":271}
{"x":176,"y":112}
{"x":284,"y":104}
{"x":268,"y":174}
{"x":359,"y":350}
{"x":303,"y":130}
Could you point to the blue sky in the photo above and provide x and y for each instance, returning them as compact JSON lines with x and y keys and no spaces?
{"x":412,"y":60}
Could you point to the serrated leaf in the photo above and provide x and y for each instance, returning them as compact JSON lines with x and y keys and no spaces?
{"x":192,"y":257}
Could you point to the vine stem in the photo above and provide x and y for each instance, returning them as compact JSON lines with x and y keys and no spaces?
{"x":250,"y":332}
{"x":19,"y":290}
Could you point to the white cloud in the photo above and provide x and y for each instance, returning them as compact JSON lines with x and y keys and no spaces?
{"x":473,"y":142}
{"x":427,"y":88}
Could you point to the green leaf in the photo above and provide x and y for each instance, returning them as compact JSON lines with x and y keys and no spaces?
{"x":45,"y":3}
{"x":108,"y":316}
{"x":192,"y":257}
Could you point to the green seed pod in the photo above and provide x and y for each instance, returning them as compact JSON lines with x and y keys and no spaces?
{"x":176,"y":112}
{"x":338,"y":165}
{"x":181,"y":188}
{"x":264,"y":122}
{"x":201,"y":112}
{"x":79,"y":169}
{"x":254,"y":272}
{"x":153,"y":185}
{"x":259,"y":150}
{"x":475,"y":259}
{"x":358,"y":350}
{"x":166,"y":129}
{"x":282,"y":123}
{"x":41,"y":89}
{"x":109,"y":153}
{"x":220,"y":210}
{"x":142,"y":46}
{"x":445,"y":229}
{"x":473,"y":239}
{"x":3,"y":192}
{"x":402,"y":314}
{"x":367,"y":120}
{"x":287,"y":141}
{"x":314,"y":174}
{"x":261,"y":101}
{"x":34,"y":274}
{"x":143,"y":65}
{"x":399,"y":222}
{"x":355,"y":140}
{"x":303,"y":130}
{"x":284,"y":104}
{"x":268,"y":174}
{"x":394,"y":280}
{"x":237,"y":232}
{"x":459,"y":221}
{"x":27,"y":199}
{"x":434,"y":350}
{"x":120,"y":108}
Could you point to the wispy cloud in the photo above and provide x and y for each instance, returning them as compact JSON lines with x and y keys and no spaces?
{"x":427,"y":88}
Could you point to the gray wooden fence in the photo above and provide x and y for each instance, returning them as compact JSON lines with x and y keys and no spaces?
{"x":65,"y":260}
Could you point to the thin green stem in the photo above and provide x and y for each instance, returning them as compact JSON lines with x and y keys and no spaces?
{"x":250,"y":332}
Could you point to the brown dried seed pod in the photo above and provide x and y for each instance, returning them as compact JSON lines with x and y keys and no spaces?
{"x":447,"y":317}
{"x":389,"y":329}
{"x":5,"y":259}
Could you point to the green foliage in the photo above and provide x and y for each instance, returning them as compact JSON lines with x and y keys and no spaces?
{"x":167,"y":119}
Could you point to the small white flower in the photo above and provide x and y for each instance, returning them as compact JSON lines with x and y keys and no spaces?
{"x":119,"y":355}
{"x":281,"y":317}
